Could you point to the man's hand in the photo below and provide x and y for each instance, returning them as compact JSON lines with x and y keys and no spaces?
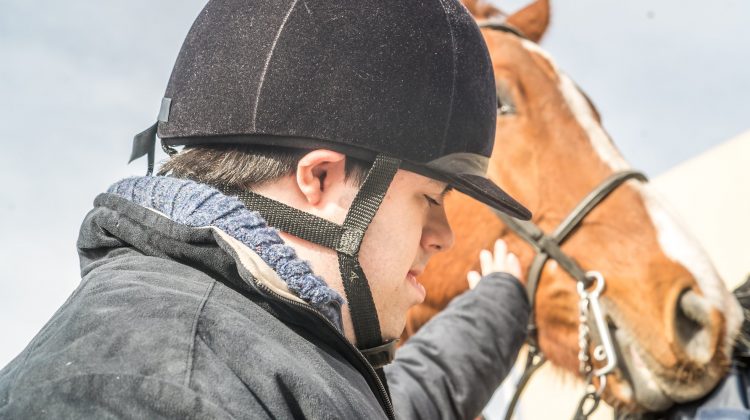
{"x":501,"y":261}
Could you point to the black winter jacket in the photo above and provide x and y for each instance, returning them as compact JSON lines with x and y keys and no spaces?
{"x":171,"y":321}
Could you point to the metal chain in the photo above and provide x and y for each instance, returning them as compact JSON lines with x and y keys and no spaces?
{"x":589,"y":304}
{"x":591,"y":399}
{"x":584,"y":336}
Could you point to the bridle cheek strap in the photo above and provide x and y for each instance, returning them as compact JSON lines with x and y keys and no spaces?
{"x":549,"y":246}
{"x":346,"y":240}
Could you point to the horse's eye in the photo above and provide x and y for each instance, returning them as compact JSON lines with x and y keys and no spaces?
{"x":505,"y":105}
{"x":504,"y":109}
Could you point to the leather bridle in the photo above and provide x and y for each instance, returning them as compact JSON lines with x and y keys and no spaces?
{"x":548,"y":246}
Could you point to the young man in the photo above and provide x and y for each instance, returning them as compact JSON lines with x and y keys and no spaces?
{"x":341,"y":125}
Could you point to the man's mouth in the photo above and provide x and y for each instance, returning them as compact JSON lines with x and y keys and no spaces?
{"x":411,"y":277}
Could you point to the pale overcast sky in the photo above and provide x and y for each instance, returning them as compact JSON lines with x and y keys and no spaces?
{"x":78,"y":78}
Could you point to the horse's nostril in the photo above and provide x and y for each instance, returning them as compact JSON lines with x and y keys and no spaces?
{"x":694,"y":327}
{"x":695,"y":307}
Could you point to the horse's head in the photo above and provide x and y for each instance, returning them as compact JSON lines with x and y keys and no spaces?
{"x":672,"y":318}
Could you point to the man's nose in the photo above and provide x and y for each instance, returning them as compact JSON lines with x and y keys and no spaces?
{"x":437,"y":234}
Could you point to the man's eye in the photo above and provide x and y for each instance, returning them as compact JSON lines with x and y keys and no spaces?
{"x":432,"y":201}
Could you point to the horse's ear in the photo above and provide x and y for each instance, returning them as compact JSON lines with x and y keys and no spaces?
{"x":532,"y":20}
{"x":481,"y":9}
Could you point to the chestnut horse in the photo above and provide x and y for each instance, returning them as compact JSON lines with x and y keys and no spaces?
{"x":670,"y":316}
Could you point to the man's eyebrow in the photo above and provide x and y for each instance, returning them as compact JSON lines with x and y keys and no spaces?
{"x":447,"y":189}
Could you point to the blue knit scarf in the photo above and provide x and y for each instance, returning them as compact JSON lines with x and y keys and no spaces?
{"x":199,"y":205}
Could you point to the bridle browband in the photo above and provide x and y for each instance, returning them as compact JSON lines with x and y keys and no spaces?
{"x":548,"y":246}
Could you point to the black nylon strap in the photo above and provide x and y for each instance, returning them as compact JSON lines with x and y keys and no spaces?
{"x":290,"y":220}
{"x":144,"y":143}
{"x":361,"y":212}
{"x":346,"y":239}
{"x":330,"y":235}
{"x":381,"y":355}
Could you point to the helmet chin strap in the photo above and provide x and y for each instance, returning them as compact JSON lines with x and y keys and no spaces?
{"x":346,"y":240}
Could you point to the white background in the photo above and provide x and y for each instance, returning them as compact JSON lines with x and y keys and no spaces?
{"x":78,"y":78}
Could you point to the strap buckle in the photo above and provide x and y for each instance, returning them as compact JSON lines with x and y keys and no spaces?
{"x":381,"y":355}
{"x":350,"y":241}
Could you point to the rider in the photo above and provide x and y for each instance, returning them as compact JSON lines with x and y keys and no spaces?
{"x":342,"y":125}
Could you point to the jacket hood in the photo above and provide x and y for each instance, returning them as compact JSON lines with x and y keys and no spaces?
{"x":210,"y":217}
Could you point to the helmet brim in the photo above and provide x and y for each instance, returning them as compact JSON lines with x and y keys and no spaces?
{"x":465,"y":172}
{"x":484,"y":190}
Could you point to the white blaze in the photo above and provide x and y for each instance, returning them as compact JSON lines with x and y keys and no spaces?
{"x":583,"y":113}
{"x":676,"y":243}
{"x":680,"y":246}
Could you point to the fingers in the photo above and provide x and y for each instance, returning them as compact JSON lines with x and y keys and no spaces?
{"x":486,"y":262}
{"x":473,"y":278}
{"x":500,"y":261}
{"x":513,"y":266}
{"x":490,"y":263}
{"x":501,"y":254}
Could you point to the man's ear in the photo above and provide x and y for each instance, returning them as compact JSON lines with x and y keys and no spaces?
{"x":319,"y":172}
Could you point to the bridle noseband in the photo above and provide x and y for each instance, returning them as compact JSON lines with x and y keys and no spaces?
{"x":548,"y":246}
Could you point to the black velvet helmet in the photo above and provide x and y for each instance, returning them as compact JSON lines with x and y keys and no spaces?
{"x":402,"y":83}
